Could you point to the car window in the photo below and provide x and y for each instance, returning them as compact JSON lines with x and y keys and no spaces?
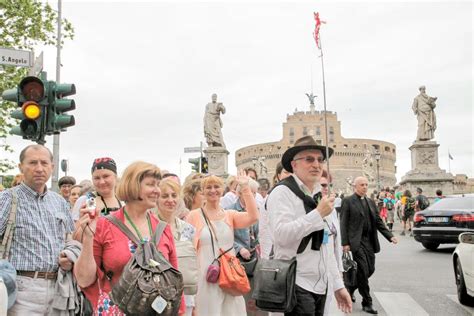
{"x":463,"y":203}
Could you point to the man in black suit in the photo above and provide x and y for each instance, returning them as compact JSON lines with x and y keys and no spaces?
{"x":360,"y":221}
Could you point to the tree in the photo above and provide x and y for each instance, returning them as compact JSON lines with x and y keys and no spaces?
{"x":24,"y":24}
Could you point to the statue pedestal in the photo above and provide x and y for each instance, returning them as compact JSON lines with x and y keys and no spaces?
{"x":217,"y":160}
{"x":426,"y":172}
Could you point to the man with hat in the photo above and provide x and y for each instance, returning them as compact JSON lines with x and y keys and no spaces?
{"x":300,"y":226}
{"x":43,"y":222}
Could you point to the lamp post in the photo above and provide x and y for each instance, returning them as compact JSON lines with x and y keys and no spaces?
{"x":377,"y":158}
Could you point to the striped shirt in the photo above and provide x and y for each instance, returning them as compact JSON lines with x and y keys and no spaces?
{"x":42,"y":222}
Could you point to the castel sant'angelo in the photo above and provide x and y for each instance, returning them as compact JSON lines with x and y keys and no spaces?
{"x":352,"y":156}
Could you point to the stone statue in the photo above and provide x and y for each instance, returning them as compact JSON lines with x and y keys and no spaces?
{"x":311,"y":98}
{"x":423,"y":107}
{"x":213,"y":123}
{"x":368,"y":165}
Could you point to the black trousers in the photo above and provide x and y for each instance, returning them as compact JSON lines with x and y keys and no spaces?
{"x":365,"y":258}
{"x":308,"y":303}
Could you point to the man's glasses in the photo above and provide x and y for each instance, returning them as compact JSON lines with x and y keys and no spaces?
{"x":311,"y":159}
{"x":324,"y":185}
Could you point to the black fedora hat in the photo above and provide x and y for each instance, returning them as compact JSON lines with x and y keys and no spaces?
{"x":304,"y":143}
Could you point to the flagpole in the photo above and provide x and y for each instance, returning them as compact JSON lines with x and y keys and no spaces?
{"x":324,"y":100}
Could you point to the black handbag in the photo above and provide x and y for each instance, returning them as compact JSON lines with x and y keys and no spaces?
{"x":274,"y":285}
{"x":250,"y":264}
{"x":350,"y":270}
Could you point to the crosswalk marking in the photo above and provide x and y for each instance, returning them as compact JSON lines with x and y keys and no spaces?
{"x":455,"y":299}
{"x":399,"y":304}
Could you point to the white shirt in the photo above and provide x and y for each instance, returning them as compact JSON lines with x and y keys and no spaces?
{"x":289,"y":224}
{"x":228,"y":200}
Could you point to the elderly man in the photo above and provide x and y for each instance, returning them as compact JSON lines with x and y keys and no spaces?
{"x":360,"y":221}
{"x":43,"y":222}
{"x":300,"y":226}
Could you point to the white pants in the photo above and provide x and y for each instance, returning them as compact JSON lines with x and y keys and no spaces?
{"x":34,"y":297}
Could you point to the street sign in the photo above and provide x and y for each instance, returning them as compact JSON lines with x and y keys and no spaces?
{"x":192,"y":149}
{"x":16,"y":57}
{"x":37,"y":66}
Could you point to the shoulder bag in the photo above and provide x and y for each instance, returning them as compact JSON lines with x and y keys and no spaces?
{"x":187,"y":263}
{"x":274,"y":284}
{"x":232,"y":277}
{"x":7,"y":237}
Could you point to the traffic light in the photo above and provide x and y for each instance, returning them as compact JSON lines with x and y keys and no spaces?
{"x":195,"y":163}
{"x":57,"y":120}
{"x":204,"y":165}
{"x":30,"y":97}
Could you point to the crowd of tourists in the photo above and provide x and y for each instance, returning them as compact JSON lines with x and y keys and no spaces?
{"x":145,"y":242}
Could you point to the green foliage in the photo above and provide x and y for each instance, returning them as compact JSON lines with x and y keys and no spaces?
{"x":24,"y":24}
{"x":7,"y":181}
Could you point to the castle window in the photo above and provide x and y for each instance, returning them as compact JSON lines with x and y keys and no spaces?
{"x":292,"y":131}
{"x":355,"y":146}
{"x":305,"y":131}
{"x":331,"y":130}
{"x":345,"y":146}
{"x":318,"y":131}
{"x":291,"y":141}
{"x":387,"y":148}
{"x":376,"y":146}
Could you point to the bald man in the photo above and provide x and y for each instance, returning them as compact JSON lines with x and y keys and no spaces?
{"x":360,"y":221}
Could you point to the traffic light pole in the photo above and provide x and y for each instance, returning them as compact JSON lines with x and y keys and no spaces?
{"x":55,"y":179}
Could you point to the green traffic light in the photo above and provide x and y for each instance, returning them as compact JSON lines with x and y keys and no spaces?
{"x":62,"y":121}
{"x":11,"y":95}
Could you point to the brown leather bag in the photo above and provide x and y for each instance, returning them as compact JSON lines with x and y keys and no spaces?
{"x":147,"y":279}
{"x":233,"y":278}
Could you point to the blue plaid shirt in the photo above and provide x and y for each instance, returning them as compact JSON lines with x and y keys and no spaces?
{"x":42,"y":222}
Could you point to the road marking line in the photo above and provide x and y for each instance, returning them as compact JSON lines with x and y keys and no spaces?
{"x":399,"y":304}
{"x":455,"y":299}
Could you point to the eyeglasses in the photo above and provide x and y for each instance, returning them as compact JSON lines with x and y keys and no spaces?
{"x":311,"y":159}
{"x":324,"y":185}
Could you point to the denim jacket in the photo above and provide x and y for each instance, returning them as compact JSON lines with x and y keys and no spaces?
{"x":242,"y":237}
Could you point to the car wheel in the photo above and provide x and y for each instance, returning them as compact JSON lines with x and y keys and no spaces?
{"x":430,"y":245}
{"x":463,"y":297}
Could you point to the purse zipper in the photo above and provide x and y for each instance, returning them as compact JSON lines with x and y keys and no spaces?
{"x":271,"y":270}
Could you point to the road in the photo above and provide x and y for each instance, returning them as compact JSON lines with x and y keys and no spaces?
{"x":410,"y":280}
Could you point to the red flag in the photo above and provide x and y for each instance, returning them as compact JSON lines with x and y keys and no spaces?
{"x":316,"y":29}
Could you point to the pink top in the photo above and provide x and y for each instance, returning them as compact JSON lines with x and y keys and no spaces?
{"x":112,"y":251}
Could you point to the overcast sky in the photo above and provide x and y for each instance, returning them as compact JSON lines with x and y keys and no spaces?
{"x":144,"y":72}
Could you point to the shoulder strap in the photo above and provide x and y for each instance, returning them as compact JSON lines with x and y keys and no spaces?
{"x":123,"y":228}
{"x":158,"y":232}
{"x":210,"y":231}
{"x":291,"y":184}
{"x":10,"y":228}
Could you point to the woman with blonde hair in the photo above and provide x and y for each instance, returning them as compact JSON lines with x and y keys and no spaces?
{"x":214,"y":231}
{"x":183,"y":232}
{"x":106,"y":249}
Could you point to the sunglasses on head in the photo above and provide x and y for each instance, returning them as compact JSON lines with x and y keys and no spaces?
{"x":311,"y":159}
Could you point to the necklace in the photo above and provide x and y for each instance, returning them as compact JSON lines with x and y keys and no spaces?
{"x":135,"y":227}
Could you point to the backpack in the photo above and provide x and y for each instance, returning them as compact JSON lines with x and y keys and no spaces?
{"x":149,"y":285}
{"x":411,"y":203}
{"x":389,"y":204}
{"x":423,"y":202}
